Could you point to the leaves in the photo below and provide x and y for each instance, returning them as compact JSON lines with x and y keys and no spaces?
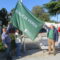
{"x":4,"y":16}
{"x":39,"y":12}
{"x":53,"y":7}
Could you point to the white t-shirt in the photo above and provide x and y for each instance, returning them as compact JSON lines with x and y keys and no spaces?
{"x":17,"y":38}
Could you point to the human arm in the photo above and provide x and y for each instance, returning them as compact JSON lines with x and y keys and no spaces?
{"x":57,"y":35}
{"x":3,"y":41}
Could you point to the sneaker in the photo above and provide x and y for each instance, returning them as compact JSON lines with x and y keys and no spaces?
{"x":49,"y":53}
{"x":54,"y":53}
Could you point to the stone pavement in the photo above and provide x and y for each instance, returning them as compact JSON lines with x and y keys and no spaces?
{"x":39,"y":55}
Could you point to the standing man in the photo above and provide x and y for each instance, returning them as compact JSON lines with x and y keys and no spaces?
{"x":52,"y":38}
{"x":18,"y":42}
{"x":6,"y":40}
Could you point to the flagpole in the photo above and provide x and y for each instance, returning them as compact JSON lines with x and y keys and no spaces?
{"x":24,"y":46}
{"x":21,"y":0}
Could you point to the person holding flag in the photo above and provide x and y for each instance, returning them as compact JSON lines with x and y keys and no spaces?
{"x":52,"y":38}
{"x":6,"y":40}
{"x":18,"y":42}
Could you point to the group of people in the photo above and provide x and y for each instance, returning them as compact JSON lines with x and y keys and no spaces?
{"x":6,"y":40}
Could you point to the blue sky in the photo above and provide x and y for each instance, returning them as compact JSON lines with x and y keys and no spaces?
{"x":9,"y":4}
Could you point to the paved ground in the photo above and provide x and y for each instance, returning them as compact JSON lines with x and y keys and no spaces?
{"x":39,"y":55}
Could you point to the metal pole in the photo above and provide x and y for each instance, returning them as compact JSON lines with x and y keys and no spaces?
{"x":24,"y":46}
{"x":21,"y":0}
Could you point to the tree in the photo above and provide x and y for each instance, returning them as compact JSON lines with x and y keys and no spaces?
{"x":11,"y":13}
{"x":53,"y":7}
{"x":4,"y":16}
{"x":55,"y":0}
{"x":39,"y":12}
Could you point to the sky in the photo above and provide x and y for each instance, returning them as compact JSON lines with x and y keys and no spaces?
{"x":10,"y":4}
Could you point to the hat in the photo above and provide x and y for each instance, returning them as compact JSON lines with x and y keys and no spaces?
{"x":4,"y":26}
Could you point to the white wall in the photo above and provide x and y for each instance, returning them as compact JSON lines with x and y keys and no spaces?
{"x":56,"y":25}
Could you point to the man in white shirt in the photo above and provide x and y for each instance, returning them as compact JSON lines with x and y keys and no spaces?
{"x":18,"y":43}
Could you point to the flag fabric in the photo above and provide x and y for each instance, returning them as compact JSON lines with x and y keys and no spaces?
{"x":25,"y":21}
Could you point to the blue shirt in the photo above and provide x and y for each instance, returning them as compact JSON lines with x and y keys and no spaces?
{"x":5,"y":38}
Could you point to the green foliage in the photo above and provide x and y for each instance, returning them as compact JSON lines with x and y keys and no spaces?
{"x":1,"y":45}
{"x":13,"y":41}
{"x":53,"y":7}
{"x":39,"y":12}
{"x":56,"y":0}
{"x":4,"y":16}
{"x":12,"y":36}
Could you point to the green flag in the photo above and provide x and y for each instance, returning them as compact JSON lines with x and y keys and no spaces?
{"x":26,"y":22}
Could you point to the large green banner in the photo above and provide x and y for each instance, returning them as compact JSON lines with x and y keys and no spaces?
{"x":25,"y":21}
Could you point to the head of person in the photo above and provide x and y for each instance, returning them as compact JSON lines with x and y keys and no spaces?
{"x":51,"y":27}
{"x":4,"y":30}
{"x":17,"y":31}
